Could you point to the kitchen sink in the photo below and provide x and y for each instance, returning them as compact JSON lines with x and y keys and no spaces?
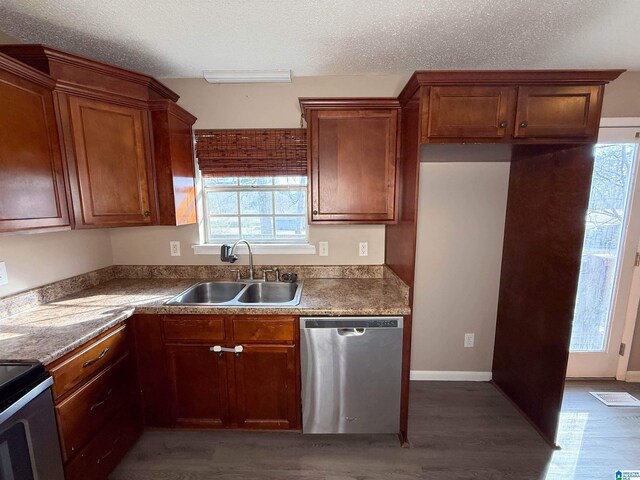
{"x":271,"y":293}
{"x":242,"y":293}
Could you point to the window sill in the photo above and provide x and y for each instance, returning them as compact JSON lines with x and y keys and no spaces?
{"x":259,"y":249}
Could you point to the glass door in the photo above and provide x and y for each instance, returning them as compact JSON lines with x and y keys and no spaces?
{"x":604,"y":282}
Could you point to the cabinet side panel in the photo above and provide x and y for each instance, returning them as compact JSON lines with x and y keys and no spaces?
{"x":544,"y":228}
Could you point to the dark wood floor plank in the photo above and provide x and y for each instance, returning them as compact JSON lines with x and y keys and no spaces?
{"x":458,"y":431}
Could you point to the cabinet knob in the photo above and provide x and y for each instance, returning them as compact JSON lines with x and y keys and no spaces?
{"x":147,"y":213}
{"x":503,"y":124}
{"x":524,"y":124}
{"x":315,"y":212}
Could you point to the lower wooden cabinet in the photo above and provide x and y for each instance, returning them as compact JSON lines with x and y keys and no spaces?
{"x":96,"y":404}
{"x":266,"y":387}
{"x":198,"y":379}
{"x":186,"y":384}
{"x":103,"y":453}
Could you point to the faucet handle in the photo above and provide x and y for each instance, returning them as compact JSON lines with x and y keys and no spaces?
{"x":237,"y":272}
{"x":264,"y":273}
{"x":277,"y":272}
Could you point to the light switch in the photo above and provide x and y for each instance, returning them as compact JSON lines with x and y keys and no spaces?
{"x":323,"y":248}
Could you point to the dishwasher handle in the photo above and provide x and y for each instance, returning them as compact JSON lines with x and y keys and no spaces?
{"x":351,"y":332}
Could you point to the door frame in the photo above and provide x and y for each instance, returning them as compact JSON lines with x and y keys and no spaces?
{"x":626,"y":297}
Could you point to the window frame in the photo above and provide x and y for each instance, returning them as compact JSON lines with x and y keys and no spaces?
{"x":275,"y":245}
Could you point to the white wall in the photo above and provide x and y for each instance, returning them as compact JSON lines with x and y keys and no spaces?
{"x":33,"y":260}
{"x":460,"y":231}
{"x":150,"y":246}
{"x":260,"y":106}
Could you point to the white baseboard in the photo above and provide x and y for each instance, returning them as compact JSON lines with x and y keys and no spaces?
{"x":451,"y":376}
{"x":632,"y":377}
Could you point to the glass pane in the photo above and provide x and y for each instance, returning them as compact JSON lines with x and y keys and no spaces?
{"x":213,"y":181}
{"x":224,"y":228}
{"x":257,"y":228}
{"x":603,"y":237}
{"x":256,"y":180}
{"x":256,"y":202}
{"x":290,"y":201}
{"x":290,"y":180}
{"x":221,"y":203}
{"x":294,"y":228}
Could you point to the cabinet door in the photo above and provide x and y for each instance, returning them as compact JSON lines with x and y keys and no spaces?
{"x":113,"y":159}
{"x":470,"y":112}
{"x":353,"y":166}
{"x":32,"y":188}
{"x":267,"y":390}
{"x":558,"y":112}
{"x":198,"y":386}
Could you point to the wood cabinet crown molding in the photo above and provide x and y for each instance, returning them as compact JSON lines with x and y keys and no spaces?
{"x":45,"y":58}
{"x":356,"y":103}
{"x":421,"y":78}
{"x":9,"y":64}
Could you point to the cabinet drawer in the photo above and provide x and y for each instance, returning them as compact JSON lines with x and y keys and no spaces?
{"x":82,"y":365}
{"x":82,"y":414}
{"x":263,"y":329}
{"x":192,"y":329}
{"x":103,"y":453}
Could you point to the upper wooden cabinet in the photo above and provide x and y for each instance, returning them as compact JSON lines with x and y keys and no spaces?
{"x":545,"y":106}
{"x":556,"y":111}
{"x":112,"y":174}
{"x":33,"y":194}
{"x":174,"y":165}
{"x":353,"y":150}
{"x":127,"y":147}
{"x":469,"y":111}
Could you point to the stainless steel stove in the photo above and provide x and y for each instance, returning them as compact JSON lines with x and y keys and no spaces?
{"x":29,"y":446}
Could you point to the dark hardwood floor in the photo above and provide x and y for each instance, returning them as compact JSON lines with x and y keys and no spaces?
{"x":458,"y":430}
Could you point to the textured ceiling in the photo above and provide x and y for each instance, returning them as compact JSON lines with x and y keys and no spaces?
{"x":171,"y":38}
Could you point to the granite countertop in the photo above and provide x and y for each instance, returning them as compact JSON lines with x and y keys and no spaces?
{"x":49,"y":331}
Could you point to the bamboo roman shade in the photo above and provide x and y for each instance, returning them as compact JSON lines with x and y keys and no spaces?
{"x":252,"y":153}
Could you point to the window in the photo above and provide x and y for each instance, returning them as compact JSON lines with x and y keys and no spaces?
{"x":258,"y":209}
{"x":603,"y":239}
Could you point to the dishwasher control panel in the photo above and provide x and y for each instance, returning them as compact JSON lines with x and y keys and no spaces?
{"x":351,"y":322}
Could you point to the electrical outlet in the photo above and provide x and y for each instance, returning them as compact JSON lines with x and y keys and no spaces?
{"x":363,"y":249}
{"x":324,"y":249}
{"x":4,"y":279}
{"x":469,"y":340}
{"x":174,"y":248}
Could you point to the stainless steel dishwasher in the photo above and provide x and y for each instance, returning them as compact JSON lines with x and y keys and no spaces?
{"x":351,"y":374}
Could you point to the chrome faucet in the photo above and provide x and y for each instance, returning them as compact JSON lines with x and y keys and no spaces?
{"x":232,"y":257}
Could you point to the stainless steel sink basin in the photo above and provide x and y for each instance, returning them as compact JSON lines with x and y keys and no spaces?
{"x":208,"y":293}
{"x":271,"y":293}
{"x":243,"y":293}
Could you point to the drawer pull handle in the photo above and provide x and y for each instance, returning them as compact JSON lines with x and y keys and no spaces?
{"x":113,"y":447}
{"x":101,"y":402}
{"x":99,"y":357}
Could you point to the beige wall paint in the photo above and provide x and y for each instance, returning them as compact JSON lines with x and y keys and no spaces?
{"x":150,"y":246}
{"x":37,"y":259}
{"x":622,"y":96}
{"x":459,"y":253}
{"x":260,"y":106}
{"x":6,"y":39}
